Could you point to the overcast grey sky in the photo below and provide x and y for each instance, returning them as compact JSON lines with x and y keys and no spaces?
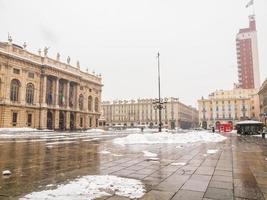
{"x":120,"y":39}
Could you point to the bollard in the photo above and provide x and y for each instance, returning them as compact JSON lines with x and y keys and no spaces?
{"x":263,"y":135}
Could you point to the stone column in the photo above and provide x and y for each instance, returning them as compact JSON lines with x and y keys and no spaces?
{"x":77,"y":120}
{"x":56,"y":119}
{"x":77,"y":97}
{"x":67,"y":95}
{"x":6,"y":88}
{"x":22,"y":91}
{"x":86,"y":122}
{"x":67,"y":120}
{"x":56,"y":92}
{"x":43,"y":119}
{"x":43,"y":101}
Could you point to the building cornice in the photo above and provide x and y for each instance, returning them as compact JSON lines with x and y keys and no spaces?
{"x":12,"y":51}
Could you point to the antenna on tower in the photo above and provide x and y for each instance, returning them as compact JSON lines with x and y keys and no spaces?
{"x":251,"y":3}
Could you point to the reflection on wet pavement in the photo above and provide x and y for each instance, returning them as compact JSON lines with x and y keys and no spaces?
{"x":235,"y":168}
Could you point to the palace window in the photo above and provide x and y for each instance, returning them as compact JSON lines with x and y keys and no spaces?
{"x":16,"y":71}
{"x":96,"y":104}
{"x":71,"y":96}
{"x":31,"y":75}
{"x":81,"y":102}
{"x":61,"y":97}
{"x":29,"y":93}
{"x":49,"y":88}
{"x":90,"y":103}
{"x":29,"y":119}
{"x":90,"y":122}
{"x":14,"y":90}
{"x":81,"y":122}
{"x":14,"y":118}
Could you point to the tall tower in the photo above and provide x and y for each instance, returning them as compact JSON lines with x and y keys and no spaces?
{"x":247,"y":56}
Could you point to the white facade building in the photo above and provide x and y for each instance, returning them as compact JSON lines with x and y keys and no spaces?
{"x":142,"y":113}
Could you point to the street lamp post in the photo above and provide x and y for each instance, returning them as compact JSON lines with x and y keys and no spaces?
{"x":159,"y":103}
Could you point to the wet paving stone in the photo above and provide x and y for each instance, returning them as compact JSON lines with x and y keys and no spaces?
{"x":218,"y":193}
{"x":196,"y":185}
{"x":237,"y":171}
{"x":188,"y":195}
{"x":223,"y":173}
{"x":205,"y":170}
{"x":157,"y":195}
{"x":222,"y":185}
{"x":248,"y":193}
{"x":222,"y":178}
{"x":172,"y":184}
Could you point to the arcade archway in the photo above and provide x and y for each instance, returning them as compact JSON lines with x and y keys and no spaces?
{"x":72,"y":121}
{"x":62,"y":118}
{"x":49,"y":120}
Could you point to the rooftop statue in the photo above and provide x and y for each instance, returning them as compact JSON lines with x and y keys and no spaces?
{"x":9,"y":38}
{"x":46,"y":51}
{"x":68,"y":60}
{"x":58,"y":56}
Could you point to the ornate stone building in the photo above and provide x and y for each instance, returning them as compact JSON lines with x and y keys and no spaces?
{"x":39,"y":92}
{"x":263,"y":102}
{"x":142,"y":113}
{"x":228,"y":106}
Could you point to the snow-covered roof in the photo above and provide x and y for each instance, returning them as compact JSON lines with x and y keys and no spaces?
{"x":249,"y":122}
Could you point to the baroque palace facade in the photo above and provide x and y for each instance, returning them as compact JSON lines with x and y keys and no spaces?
{"x":141,"y":112}
{"x":39,"y":92}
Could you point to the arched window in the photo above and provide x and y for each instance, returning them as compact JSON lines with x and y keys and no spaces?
{"x":14,"y":90}
{"x":29,"y":93}
{"x":90,"y":103}
{"x":81,"y":102}
{"x":96,"y":105}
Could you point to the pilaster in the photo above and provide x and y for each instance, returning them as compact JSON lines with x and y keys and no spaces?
{"x":67,"y":95}
{"x":56,"y":119}
{"x":56,"y":92}
{"x":67,"y":120}
{"x":43,"y":119}
{"x":43,"y":101}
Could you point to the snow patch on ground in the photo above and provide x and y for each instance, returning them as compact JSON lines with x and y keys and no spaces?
{"x":60,"y":142}
{"x":92,"y":187}
{"x":6,"y":173}
{"x":212,"y":151}
{"x":169,"y":138}
{"x":149,"y":154}
{"x":177,"y":164}
{"x":17,"y":129}
{"x":104,"y":152}
{"x":153,"y":159}
{"x":117,"y":155}
{"x":95,"y":130}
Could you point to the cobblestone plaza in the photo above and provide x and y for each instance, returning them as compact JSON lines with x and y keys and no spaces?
{"x":236,"y":170}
